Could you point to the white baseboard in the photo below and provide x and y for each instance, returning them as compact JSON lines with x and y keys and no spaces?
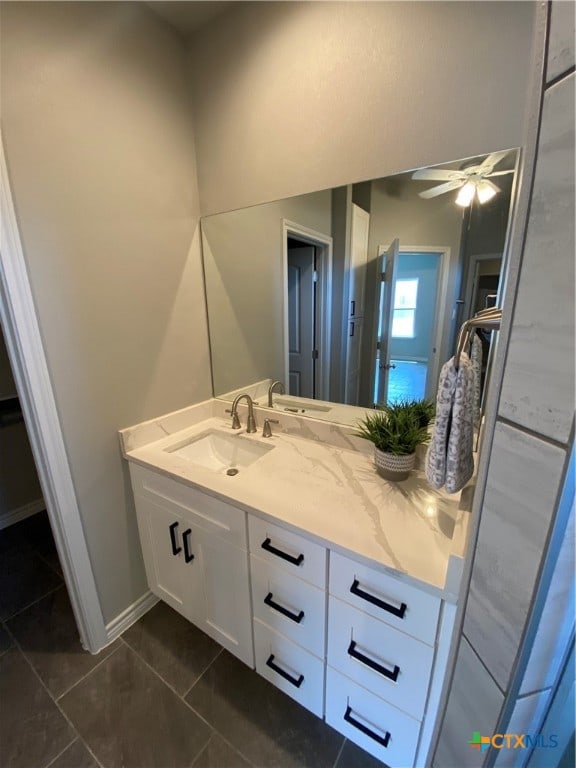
{"x":21,"y":513}
{"x":129,"y":616}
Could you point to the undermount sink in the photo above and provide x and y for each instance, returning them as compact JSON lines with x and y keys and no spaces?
{"x":300,"y":406}
{"x":219,"y":451}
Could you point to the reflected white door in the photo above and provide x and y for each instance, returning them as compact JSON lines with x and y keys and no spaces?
{"x":383,"y":364}
{"x":301,"y":321}
{"x":410,"y":315}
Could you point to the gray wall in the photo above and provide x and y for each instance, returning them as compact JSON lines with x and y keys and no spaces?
{"x":295,"y":97}
{"x":98,"y":134}
{"x":243,"y":265}
{"x":529,"y":458}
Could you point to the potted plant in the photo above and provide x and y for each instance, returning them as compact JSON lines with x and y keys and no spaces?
{"x":396,"y":431}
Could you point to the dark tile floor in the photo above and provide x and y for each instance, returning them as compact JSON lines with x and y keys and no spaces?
{"x":164,"y":695}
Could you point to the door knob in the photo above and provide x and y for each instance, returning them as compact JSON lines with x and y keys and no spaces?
{"x":387,"y":366}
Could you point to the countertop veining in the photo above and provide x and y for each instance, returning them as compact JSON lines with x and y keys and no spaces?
{"x":328,"y":490}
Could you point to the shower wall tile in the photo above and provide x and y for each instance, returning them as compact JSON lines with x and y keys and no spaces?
{"x":523,"y":481}
{"x":527,"y":717}
{"x":538,"y":385}
{"x":556,"y":620}
{"x":474,"y":705}
{"x":561,"y":46}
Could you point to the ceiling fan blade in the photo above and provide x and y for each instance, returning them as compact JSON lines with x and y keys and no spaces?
{"x":437,"y":174}
{"x":435,"y":191}
{"x":498,"y":173}
{"x":492,"y":161}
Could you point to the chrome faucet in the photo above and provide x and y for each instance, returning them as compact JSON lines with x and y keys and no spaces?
{"x":251,"y":422}
{"x":271,"y":388}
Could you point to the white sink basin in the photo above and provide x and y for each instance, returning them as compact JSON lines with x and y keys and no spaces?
{"x":219,"y":450}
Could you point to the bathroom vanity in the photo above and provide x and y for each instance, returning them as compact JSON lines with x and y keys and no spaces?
{"x":337,"y":586}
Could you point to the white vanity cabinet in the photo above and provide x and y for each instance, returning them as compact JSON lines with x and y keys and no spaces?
{"x":288,"y":574}
{"x":196,"y":558}
{"x":355,"y":644}
{"x":382,"y":643}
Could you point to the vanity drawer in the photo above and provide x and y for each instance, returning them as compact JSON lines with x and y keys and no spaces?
{"x":389,"y":663}
{"x":289,"y":605}
{"x":398,"y":604}
{"x":207,"y":512}
{"x":290,"y":668}
{"x":378,"y":727}
{"x":288,"y":551}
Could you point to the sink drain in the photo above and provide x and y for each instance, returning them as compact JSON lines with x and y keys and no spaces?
{"x":232,"y":472}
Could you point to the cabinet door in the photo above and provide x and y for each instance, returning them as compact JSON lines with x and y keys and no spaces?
{"x":227,"y":595}
{"x":165,"y":538}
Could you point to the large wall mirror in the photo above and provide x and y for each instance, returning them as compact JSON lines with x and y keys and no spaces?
{"x":353,"y":296}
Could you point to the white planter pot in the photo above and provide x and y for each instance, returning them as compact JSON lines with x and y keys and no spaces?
{"x":393,"y":467}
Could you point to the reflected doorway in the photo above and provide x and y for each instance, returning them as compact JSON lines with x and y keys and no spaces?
{"x":411,"y":294}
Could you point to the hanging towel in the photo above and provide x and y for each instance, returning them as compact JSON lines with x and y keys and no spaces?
{"x":449,"y":459}
{"x":476,"y":360}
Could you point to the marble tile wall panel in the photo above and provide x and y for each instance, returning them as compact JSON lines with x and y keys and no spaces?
{"x":524,"y":477}
{"x":556,"y":621}
{"x":474,"y":705}
{"x":527,"y":717}
{"x":538,"y":385}
{"x":561,"y":45}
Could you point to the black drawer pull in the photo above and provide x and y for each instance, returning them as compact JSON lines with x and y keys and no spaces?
{"x":278,"y":552}
{"x":380,"y":739}
{"x":175,"y":548}
{"x":297,"y":617}
{"x":188,"y":556}
{"x":296,"y":682}
{"x":373,"y":664}
{"x":355,"y":589}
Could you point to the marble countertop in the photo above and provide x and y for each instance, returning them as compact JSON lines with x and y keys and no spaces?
{"x":321,"y":480}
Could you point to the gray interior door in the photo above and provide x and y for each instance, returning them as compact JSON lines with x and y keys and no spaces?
{"x":301,"y":321}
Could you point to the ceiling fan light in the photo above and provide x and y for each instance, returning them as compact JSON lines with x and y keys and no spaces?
{"x":466,"y":194}
{"x":486,"y":191}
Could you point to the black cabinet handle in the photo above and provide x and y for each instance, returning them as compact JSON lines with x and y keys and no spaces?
{"x":352,"y":307}
{"x":361,"y":727}
{"x":297,"y":617}
{"x":373,"y":664}
{"x":175,"y":548}
{"x":355,"y":589}
{"x":351,"y":329}
{"x":278,"y":552}
{"x":296,"y":682}
{"x":188,"y":556}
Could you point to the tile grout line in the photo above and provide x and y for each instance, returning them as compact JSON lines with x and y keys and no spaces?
{"x":66,"y":748}
{"x":201,"y":675}
{"x":174,"y":691}
{"x":93,"y":669}
{"x":38,"y":599}
{"x":232,"y":747}
{"x":338,"y":756}
{"x":56,"y":704}
{"x":213,"y":730}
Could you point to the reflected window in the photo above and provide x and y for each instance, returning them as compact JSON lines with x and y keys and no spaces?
{"x":405,"y":298}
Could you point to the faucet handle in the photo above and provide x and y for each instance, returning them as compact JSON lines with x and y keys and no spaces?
{"x":266,"y":429}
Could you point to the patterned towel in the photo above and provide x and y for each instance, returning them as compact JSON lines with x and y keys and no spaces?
{"x":476,"y":360}
{"x":449,"y":459}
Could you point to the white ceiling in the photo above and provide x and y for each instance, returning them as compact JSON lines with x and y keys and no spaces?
{"x":187,"y":17}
